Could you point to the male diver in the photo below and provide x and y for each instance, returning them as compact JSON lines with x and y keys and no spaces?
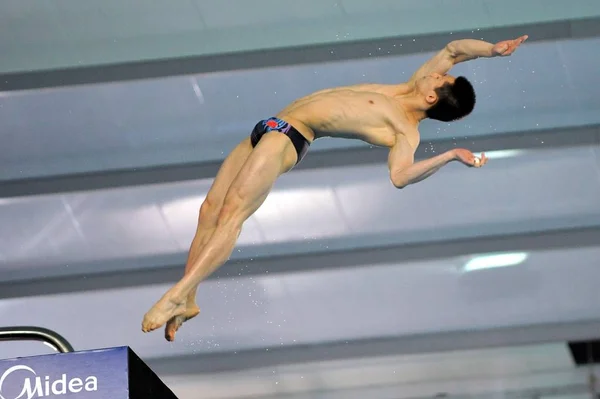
{"x":381,"y":115}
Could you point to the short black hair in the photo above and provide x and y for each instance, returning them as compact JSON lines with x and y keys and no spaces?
{"x":455,"y":101}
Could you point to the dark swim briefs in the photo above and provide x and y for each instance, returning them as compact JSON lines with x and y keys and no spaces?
{"x":300,"y":143}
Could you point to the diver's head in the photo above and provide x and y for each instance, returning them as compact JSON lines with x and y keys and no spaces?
{"x":448,"y":98}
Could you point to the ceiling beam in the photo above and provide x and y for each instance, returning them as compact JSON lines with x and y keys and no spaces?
{"x":374,"y":347}
{"x":337,"y":51}
{"x":543,"y":139}
{"x":14,"y":286}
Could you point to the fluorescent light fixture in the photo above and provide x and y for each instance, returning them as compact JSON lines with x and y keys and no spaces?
{"x":504,"y":154}
{"x":197,"y":91}
{"x":491,"y":261}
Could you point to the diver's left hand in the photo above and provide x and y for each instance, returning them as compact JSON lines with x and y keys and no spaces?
{"x":507,"y":47}
{"x":468,"y":158}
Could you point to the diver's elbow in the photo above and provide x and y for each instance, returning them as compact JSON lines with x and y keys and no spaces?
{"x":399,"y":183}
{"x":451,"y":49}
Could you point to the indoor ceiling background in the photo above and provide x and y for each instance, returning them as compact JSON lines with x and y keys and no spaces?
{"x":68,"y":33}
{"x":103,"y":168}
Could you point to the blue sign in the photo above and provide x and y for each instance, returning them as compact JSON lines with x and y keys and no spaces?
{"x":98,"y":374}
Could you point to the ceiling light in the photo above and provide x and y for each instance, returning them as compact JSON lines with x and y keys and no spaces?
{"x":504,"y":154}
{"x":491,"y":261}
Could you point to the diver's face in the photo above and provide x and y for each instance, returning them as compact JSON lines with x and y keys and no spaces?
{"x":427,"y":85}
{"x":434,"y":81}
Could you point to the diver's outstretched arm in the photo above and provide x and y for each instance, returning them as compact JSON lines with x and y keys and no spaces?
{"x":464,"y":50}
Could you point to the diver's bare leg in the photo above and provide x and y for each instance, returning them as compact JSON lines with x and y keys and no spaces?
{"x":207,"y":222}
{"x":273,"y":156}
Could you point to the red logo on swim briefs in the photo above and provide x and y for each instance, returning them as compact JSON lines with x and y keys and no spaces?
{"x":272,"y":124}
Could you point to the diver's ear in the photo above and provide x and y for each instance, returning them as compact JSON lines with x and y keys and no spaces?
{"x":431,"y":97}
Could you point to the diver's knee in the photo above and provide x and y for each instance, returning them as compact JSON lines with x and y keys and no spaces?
{"x":209,"y":211}
{"x":232,"y":211}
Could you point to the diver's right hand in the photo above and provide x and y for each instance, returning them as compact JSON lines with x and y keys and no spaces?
{"x":507,"y":47}
{"x":468,"y":158}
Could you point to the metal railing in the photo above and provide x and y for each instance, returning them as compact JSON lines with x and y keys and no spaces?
{"x":26,"y":333}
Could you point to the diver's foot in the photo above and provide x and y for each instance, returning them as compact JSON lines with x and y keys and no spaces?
{"x":192,"y":310}
{"x":167,"y":308}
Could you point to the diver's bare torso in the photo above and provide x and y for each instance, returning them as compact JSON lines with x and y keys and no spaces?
{"x":368,"y":112}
